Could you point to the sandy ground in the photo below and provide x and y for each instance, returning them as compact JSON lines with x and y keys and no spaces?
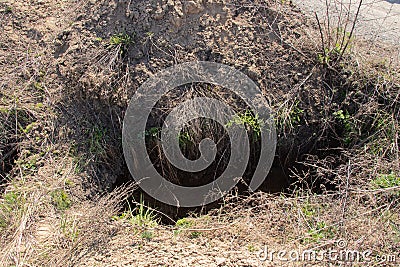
{"x":379,"y":20}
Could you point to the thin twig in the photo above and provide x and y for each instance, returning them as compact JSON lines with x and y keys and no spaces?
{"x":351,"y":32}
{"x":328,"y":22}
{"x":345,"y":197}
{"x":322,"y":34}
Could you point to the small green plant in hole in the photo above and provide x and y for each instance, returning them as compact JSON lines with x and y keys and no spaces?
{"x":183,"y":223}
{"x":324,"y":58}
{"x":384,"y":181}
{"x":319,"y":231}
{"x":343,"y":116}
{"x":345,"y":119}
{"x":153,"y":132}
{"x":97,"y":141}
{"x":147,"y":235}
{"x":290,"y":117}
{"x":60,"y":199}
{"x":308,"y":210}
{"x":248,"y":119}
{"x":29,"y":127}
{"x":122,"y":41}
{"x":10,"y":206}
{"x":185,"y":139}
{"x":10,"y":201}
{"x":195,"y":234}
{"x":144,"y":216}
{"x":140,"y":216}
{"x":295,"y":113}
{"x":29,"y":165}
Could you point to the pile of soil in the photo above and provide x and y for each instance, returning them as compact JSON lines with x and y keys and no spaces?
{"x":257,"y":39}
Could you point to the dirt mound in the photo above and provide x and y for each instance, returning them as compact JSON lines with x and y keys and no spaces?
{"x":158,"y":35}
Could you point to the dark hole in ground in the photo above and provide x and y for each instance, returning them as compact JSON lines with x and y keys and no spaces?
{"x":292,"y":148}
{"x":7,"y":158}
{"x":279,"y":179}
{"x":10,"y":139}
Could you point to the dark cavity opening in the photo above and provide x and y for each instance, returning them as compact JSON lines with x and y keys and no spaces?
{"x":282,"y":177}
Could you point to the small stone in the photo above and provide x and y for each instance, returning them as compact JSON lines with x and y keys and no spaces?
{"x":220,"y":261}
{"x":178,"y":9}
{"x":176,"y":21}
{"x":159,"y":13}
{"x":193,"y":7}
